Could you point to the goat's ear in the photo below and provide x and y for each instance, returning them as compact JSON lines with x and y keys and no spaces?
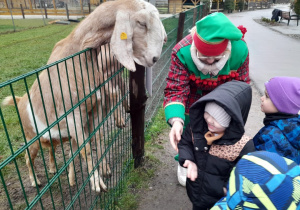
{"x":121,"y":40}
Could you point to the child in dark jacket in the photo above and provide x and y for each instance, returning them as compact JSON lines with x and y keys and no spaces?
{"x":281,"y":104}
{"x":214,"y":141}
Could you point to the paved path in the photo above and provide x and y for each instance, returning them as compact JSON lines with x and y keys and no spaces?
{"x":271,"y":53}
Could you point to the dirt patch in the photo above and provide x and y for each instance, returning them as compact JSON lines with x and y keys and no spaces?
{"x":164,"y":191}
{"x":60,"y":195}
{"x":57,"y":196}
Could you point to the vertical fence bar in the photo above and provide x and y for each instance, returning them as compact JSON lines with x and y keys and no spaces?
{"x":22,"y":10}
{"x":180,"y":26}
{"x":138,"y":100}
{"x":195,"y":16}
{"x":46,"y":15}
{"x":6,"y":4}
{"x":67,"y":11}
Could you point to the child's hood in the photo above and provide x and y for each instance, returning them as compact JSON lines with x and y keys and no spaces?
{"x":235,"y":98}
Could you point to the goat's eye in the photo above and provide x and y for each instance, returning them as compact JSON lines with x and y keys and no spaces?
{"x":142,"y":24}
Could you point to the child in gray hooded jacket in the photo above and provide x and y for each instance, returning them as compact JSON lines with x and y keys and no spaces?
{"x":214,"y":141}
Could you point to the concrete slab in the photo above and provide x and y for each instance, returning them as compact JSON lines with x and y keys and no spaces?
{"x":287,"y":29}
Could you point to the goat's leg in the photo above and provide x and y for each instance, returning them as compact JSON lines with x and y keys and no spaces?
{"x":122,"y":86}
{"x":94,"y":120}
{"x":52,"y":160}
{"x":71,"y":166}
{"x":33,"y":150}
{"x":111,"y":99}
{"x":85,"y":153}
{"x":95,"y":178}
{"x":100,"y":150}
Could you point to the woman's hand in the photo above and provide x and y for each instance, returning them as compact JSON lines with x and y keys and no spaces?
{"x":175,"y":134}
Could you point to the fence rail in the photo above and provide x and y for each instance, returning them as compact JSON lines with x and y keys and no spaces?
{"x":21,"y":10}
{"x":108,"y":131}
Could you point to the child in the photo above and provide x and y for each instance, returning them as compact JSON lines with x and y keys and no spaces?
{"x":281,"y":133}
{"x":263,"y":180}
{"x":214,"y":141}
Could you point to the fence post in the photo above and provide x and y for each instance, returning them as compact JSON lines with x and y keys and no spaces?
{"x":180,"y":26}
{"x":6,"y":4}
{"x":174,"y":8}
{"x":22,"y":10}
{"x":89,"y":8}
{"x":138,"y":100}
{"x":67,"y":11}
{"x":195,"y":16}
{"x":46,"y":15}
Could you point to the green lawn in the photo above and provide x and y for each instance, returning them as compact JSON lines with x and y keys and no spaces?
{"x":22,"y":52}
{"x":7,"y":25}
{"x":29,"y":49}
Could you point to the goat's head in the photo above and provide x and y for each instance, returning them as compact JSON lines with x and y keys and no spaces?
{"x":138,"y":37}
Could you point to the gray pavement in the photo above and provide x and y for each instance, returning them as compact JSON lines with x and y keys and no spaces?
{"x":271,"y":53}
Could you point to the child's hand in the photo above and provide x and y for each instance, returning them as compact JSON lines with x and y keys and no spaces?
{"x":192,"y":171}
{"x":225,"y":191}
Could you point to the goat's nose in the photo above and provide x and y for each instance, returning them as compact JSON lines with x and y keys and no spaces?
{"x":155,"y":59}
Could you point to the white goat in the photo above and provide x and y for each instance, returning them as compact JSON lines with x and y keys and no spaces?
{"x":135,"y":33}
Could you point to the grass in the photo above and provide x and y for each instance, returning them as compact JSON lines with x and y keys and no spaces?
{"x":139,"y":178}
{"x":7,"y":25}
{"x":30,"y":49}
{"x":22,"y":52}
{"x":267,"y":20}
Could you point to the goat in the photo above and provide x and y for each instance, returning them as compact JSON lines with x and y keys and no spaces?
{"x":135,"y":34}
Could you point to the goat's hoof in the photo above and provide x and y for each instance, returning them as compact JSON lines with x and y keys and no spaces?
{"x":121,"y":123}
{"x":33,"y":184}
{"x":99,"y":184}
{"x":104,"y":189}
{"x":107,"y":173}
{"x":127,"y":108}
{"x":98,"y":188}
{"x":52,"y":171}
{"x":72,"y":183}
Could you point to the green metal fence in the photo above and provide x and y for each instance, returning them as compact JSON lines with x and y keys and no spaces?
{"x":161,"y":68}
{"x":105,"y":126}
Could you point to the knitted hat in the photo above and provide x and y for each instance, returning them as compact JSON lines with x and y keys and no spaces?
{"x":218,"y":113}
{"x":213,"y":32}
{"x":263,"y":180}
{"x":284,"y":92}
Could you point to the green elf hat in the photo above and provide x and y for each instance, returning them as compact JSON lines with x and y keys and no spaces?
{"x":213,"y":32}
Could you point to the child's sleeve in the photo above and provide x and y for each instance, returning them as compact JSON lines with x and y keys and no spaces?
{"x":185,"y":146}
